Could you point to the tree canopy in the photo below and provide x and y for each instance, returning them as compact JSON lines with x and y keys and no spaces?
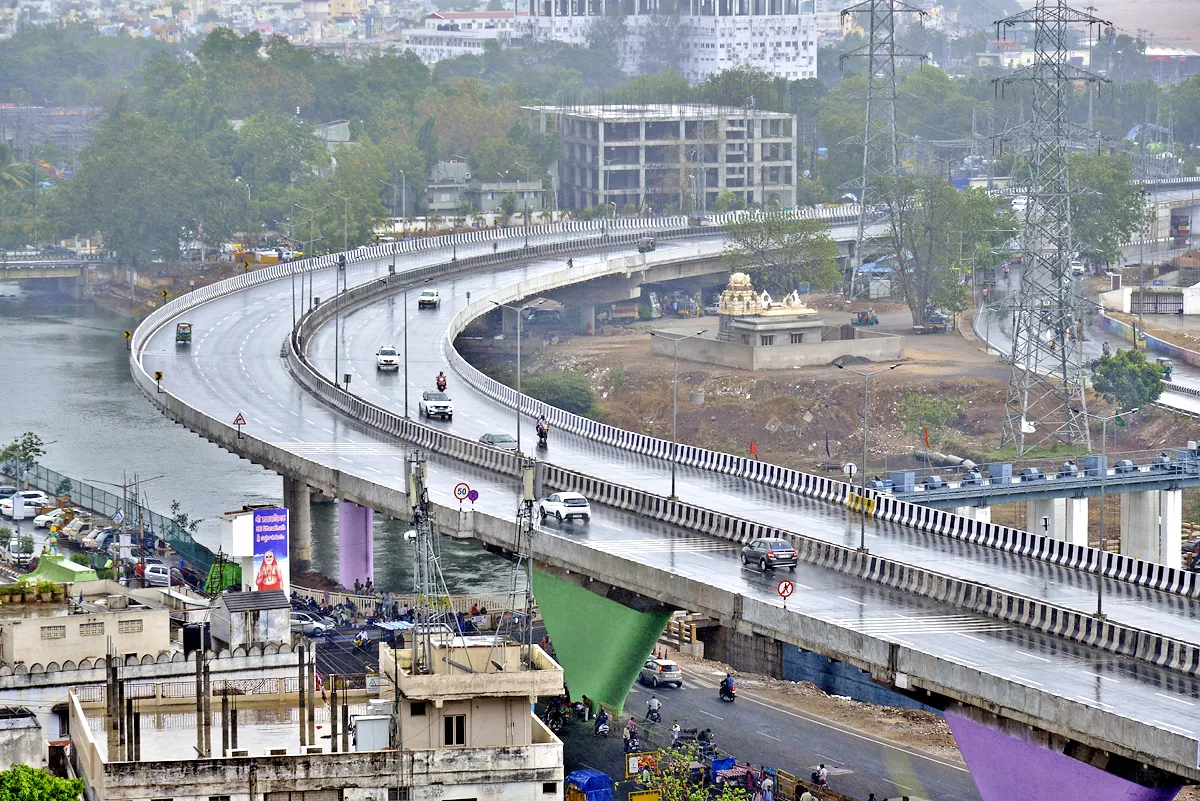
{"x":780,"y":251}
{"x":23,"y":783}
{"x":1106,"y":208}
{"x":1128,"y":379}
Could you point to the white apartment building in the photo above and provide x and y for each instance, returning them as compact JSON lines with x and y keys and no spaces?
{"x":711,"y":35}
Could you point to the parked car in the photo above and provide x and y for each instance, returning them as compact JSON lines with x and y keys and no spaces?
{"x":1068,"y":470}
{"x":566,"y":506}
{"x":30,"y":500}
{"x":1032,"y":474}
{"x":158,"y":575}
{"x":53,"y":517}
{"x":429,"y":299}
{"x":506,"y":441}
{"x":386,"y":358}
{"x":309,"y":623}
{"x":661,"y":671}
{"x":58,"y":252}
{"x":6,"y":491}
{"x":933,"y":483}
{"x":770,"y":553}
{"x":1124,"y":466}
{"x":436,"y":404}
{"x":99,"y":540}
{"x":79,"y":527}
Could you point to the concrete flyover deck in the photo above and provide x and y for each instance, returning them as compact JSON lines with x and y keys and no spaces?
{"x":235,"y":366}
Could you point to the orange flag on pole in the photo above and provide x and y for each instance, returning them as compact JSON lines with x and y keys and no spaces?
{"x":926,"y":430}
{"x":753,"y":449}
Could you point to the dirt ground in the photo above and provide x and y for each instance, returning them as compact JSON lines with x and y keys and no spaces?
{"x":1171,"y":23}
{"x":793,"y":416}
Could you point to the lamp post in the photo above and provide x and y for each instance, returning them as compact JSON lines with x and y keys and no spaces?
{"x":337,"y":316}
{"x":1141,"y":280}
{"x":518,"y":310}
{"x":675,"y":400}
{"x":1103,"y":486}
{"x":866,"y":377}
{"x":393,"y":186}
{"x":312,"y":216}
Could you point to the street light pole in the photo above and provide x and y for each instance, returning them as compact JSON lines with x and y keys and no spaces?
{"x":337,"y":316}
{"x":675,"y":401}
{"x":405,"y":345}
{"x":866,"y":377}
{"x":518,"y":310}
{"x":1103,"y":486}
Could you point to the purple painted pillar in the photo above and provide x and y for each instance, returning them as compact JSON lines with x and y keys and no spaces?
{"x":1006,"y":768}
{"x":356,"y":544}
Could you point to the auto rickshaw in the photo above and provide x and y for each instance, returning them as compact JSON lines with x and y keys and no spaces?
{"x":864,"y":317}
{"x":645,"y":244}
{"x":183,"y":334}
{"x":1167,"y":365}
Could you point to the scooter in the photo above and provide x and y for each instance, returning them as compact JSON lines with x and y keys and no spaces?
{"x":727,"y":693}
{"x":654,"y":716}
{"x":543,"y":433}
{"x":601,"y":730}
{"x":633,"y":745}
{"x":441,"y":384}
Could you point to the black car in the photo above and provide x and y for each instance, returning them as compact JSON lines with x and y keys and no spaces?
{"x":770,"y":553}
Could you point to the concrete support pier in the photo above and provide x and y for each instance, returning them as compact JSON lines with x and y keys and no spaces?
{"x":1076,"y":529}
{"x":297,"y":498}
{"x":1010,"y":761}
{"x":587,"y":320}
{"x":1151,"y":525}
{"x":356,"y":543}
{"x":1047,"y":517}
{"x":980,"y":514}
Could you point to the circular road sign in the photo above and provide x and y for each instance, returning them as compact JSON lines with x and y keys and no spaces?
{"x":849,"y":468}
{"x":785,"y":588}
{"x":461,"y":490}
{"x":473,"y":496}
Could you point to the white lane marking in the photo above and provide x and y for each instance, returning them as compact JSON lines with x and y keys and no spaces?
{"x":1019,"y":677}
{"x":1174,"y":728}
{"x":344,"y":459}
{"x":710,"y":714}
{"x":1106,"y":678}
{"x":1093,"y":702}
{"x":1176,"y":700}
{"x":969,"y":637}
{"x":1033,"y":656}
{"x":372,"y":469}
{"x":769,"y":737}
{"x":851,"y":600}
{"x":276,"y":430}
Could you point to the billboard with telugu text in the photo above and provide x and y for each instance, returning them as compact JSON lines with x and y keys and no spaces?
{"x":271,"y":549}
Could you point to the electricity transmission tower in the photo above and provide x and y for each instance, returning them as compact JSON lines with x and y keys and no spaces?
{"x":432,"y":603}
{"x":1045,"y":397}
{"x":881,"y":150}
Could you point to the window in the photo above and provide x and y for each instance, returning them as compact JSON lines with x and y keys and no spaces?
{"x":417,"y":709}
{"x":91,"y":629}
{"x":397,"y":794}
{"x":218,"y":798}
{"x":130,"y":626}
{"x":455,"y":730}
{"x":797,"y":337}
{"x":549,"y":787}
{"x":54,"y":632}
{"x":766,"y":339}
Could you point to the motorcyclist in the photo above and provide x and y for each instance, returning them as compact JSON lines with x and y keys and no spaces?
{"x":652,"y":709}
{"x":727,"y":683}
{"x":1106,"y":349}
{"x":542,"y":426}
{"x":601,"y":720}
{"x":361,"y":640}
{"x":441,"y":382}
{"x":570,"y":263}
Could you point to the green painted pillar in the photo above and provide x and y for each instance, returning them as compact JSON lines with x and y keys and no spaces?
{"x":601,"y":644}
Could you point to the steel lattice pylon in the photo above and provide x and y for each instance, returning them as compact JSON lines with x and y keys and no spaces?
{"x":880,"y":142}
{"x":1045,"y":398}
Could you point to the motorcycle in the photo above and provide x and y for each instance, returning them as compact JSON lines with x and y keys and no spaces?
{"x":441,"y":383}
{"x":654,"y":716}
{"x":543,"y":432}
{"x":727,"y":693}
{"x":633,"y":745}
{"x":601,"y":730}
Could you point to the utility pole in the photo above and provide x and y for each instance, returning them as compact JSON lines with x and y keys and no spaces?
{"x":881,"y":152}
{"x":1045,"y":398}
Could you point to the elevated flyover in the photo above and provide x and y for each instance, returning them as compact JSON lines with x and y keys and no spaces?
{"x":892,"y":631}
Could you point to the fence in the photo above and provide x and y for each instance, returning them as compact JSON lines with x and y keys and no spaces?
{"x":107,"y":504}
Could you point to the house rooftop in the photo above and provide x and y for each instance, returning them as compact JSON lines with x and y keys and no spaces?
{"x":255,"y":601}
{"x":654,"y":112}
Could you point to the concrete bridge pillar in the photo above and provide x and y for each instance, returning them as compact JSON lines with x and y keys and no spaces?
{"x":356,"y":543}
{"x":981,"y":514}
{"x":1151,"y":525}
{"x":1011,"y":761}
{"x":1076,"y":529}
{"x":297,"y":499}
{"x":1047,"y":517}
{"x":508,"y":322}
{"x":587,"y":320}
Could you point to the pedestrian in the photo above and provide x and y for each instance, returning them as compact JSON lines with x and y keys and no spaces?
{"x":357,"y":587}
{"x":675,"y":732}
{"x":806,"y":796}
{"x":822,"y":775}
{"x":768,"y":789}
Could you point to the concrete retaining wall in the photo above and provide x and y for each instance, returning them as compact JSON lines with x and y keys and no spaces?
{"x":780,"y":357}
{"x":839,"y":678}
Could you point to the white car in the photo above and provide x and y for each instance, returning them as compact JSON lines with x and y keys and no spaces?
{"x":386,"y":358}
{"x":566,"y":506}
{"x":53,"y":517}
{"x":436,"y":404}
{"x":31,"y":501}
{"x":1078,"y":268}
{"x":429,"y":299}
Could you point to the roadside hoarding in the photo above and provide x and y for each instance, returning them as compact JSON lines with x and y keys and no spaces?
{"x":271,"y":549}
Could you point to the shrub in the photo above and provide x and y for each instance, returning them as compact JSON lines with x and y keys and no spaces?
{"x":571,"y":392}
{"x":917,"y":412}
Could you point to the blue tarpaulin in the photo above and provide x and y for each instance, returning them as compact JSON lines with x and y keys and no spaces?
{"x":595,"y":785}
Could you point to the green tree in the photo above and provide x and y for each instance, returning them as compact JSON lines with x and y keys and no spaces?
{"x":508,"y":206}
{"x":919,"y":412}
{"x":23,"y":783}
{"x":1106,"y":208}
{"x":780,"y":252}
{"x":571,"y":392}
{"x":729,"y":201}
{"x":13,"y":174}
{"x":23,"y":452}
{"x":675,"y":779}
{"x":275,"y":148}
{"x":1128,"y":379}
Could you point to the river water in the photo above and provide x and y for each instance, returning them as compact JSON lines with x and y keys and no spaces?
{"x":67,"y":379}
